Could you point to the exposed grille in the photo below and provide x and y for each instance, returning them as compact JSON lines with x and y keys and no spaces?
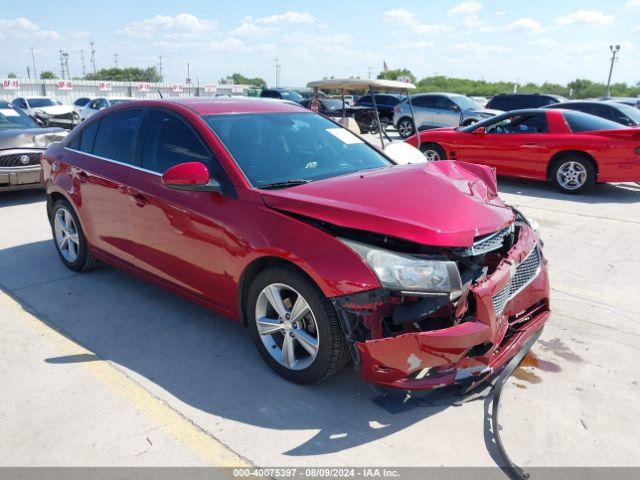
{"x":491,"y":242}
{"x":17,"y":159}
{"x":525,"y":273}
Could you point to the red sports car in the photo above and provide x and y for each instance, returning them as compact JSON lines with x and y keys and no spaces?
{"x":572,"y":149}
{"x":325,"y":248}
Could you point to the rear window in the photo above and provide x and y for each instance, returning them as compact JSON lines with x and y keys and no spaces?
{"x":117,"y":135}
{"x":583,"y":122}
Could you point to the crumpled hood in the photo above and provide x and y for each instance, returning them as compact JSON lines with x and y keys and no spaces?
{"x":24,"y":137}
{"x":438,"y":203}
{"x":54,"y":109}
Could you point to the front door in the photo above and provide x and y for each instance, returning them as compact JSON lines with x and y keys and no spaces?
{"x":176,"y":235}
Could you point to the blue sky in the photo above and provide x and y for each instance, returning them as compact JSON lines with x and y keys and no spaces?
{"x":537,"y":41}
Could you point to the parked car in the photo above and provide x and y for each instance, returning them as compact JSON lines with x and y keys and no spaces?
{"x":481,"y":101}
{"x":282,"y":93}
{"x":433,"y":110}
{"x":517,"y":101}
{"x":609,"y":109}
{"x":22,"y":142}
{"x":309,"y":93}
{"x":272,"y":215}
{"x":385,"y":102}
{"x":631,"y":101}
{"x":80,"y":103}
{"x":48,"y":112}
{"x":100,"y":103}
{"x":574,"y":150}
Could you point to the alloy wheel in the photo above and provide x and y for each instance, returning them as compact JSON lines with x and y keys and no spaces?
{"x":571,"y":175}
{"x":405,"y":129}
{"x":431,"y":155}
{"x":287,"y":326}
{"x":66,"y":234}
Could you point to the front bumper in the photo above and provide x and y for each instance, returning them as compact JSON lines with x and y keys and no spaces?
{"x":471,"y":350}
{"x":20,"y":178}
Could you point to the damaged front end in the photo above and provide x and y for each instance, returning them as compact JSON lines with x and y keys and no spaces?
{"x":465,"y":328}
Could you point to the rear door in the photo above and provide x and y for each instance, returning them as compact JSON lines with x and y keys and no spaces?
{"x":424,"y":110}
{"x":176,"y":233}
{"x":446,"y":113}
{"x":100,"y":171}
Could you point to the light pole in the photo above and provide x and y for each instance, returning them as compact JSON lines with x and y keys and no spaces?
{"x":614,"y":52}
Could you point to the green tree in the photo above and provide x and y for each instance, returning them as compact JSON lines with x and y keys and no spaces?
{"x":239,"y":79}
{"x":398,"y":72}
{"x":128,"y":74}
{"x":48,"y":75}
{"x":12,"y":75}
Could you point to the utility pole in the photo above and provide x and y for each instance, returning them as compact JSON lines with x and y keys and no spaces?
{"x":61,"y":66}
{"x":160,"y":67}
{"x":65,"y":58}
{"x":614,"y":53}
{"x":115,"y":59}
{"x":33,"y":59}
{"x":369,"y":72}
{"x":93,"y":56}
{"x":28,"y":72}
{"x":277,"y":66}
{"x":84,"y":70}
{"x":188,"y":79}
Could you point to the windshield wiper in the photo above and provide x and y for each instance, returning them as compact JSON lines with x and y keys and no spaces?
{"x":285,"y":184}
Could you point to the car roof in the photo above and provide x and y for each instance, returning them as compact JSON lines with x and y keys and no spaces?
{"x":611,"y":103}
{"x":225,"y":105}
{"x":4,"y":104}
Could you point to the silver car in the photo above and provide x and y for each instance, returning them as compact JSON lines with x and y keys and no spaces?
{"x":433,"y":110}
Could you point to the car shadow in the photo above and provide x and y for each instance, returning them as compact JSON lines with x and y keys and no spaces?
{"x":21,"y":197}
{"x":203,"y":360}
{"x":600,"y":193}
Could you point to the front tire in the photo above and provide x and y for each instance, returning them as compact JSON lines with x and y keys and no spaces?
{"x":69,"y":238}
{"x":573,"y":174}
{"x":405,"y":128}
{"x":433,"y":152}
{"x":294,"y":326}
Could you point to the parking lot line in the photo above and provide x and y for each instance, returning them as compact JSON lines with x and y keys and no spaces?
{"x":212,"y":451}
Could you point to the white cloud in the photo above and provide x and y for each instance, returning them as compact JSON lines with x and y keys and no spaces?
{"x":47,"y":35}
{"x":528,"y":25}
{"x":593,"y":17}
{"x":400,"y":16}
{"x":251,"y":30}
{"x":183,"y":23}
{"x":631,"y":5}
{"x":477,"y":47}
{"x":472,"y":22}
{"x":637,"y":29}
{"x":18,"y":23}
{"x":501,"y":13}
{"x":466,"y":8}
{"x":288,"y":17}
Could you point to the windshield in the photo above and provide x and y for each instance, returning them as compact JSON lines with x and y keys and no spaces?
{"x":277,"y":147}
{"x":288,"y":95}
{"x":464,"y":102}
{"x":11,"y":118}
{"x":583,"y":122}
{"x":41,"y":102}
{"x":334,"y":104}
{"x":632,"y":112}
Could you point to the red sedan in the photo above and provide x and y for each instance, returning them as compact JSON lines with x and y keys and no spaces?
{"x":572,"y":149}
{"x":327,"y":250}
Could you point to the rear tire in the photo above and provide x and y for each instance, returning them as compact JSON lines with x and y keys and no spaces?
{"x":573,"y":174}
{"x":68,"y":237}
{"x":316,"y":339}
{"x":433,"y":152}
{"x":405,"y":127}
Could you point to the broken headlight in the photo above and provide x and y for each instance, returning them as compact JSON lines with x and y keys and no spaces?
{"x":407,"y":273}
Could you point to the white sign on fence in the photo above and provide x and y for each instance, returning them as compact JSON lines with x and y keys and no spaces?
{"x":104,"y":86}
{"x":176,"y":88}
{"x":144,"y":87}
{"x":65,"y":85}
{"x":236,"y":89}
{"x":210,"y":88}
{"x":10,"y":84}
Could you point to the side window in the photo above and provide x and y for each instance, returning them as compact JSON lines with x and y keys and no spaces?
{"x":270,"y":94}
{"x":102,"y":103}
{"x":87,"y":137}
{"x":426,"y":101}
{"x":443,"y":103}
{"x":520,"y":124}
{"x":170,"y":141}
{"x":117,"y":135}
{"x":365,"y":99}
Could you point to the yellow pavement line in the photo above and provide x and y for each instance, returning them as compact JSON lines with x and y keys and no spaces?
{"x":212,"y":451}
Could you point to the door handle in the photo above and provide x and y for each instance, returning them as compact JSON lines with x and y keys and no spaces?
{"x":530,"y":144}
{"x":140,"y":199}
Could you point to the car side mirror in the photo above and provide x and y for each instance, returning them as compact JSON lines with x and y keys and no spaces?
{"x":192,"y":176}
{"x":625,"y":121}
{"x":455,"y":108}
{"x":479,"y":130}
